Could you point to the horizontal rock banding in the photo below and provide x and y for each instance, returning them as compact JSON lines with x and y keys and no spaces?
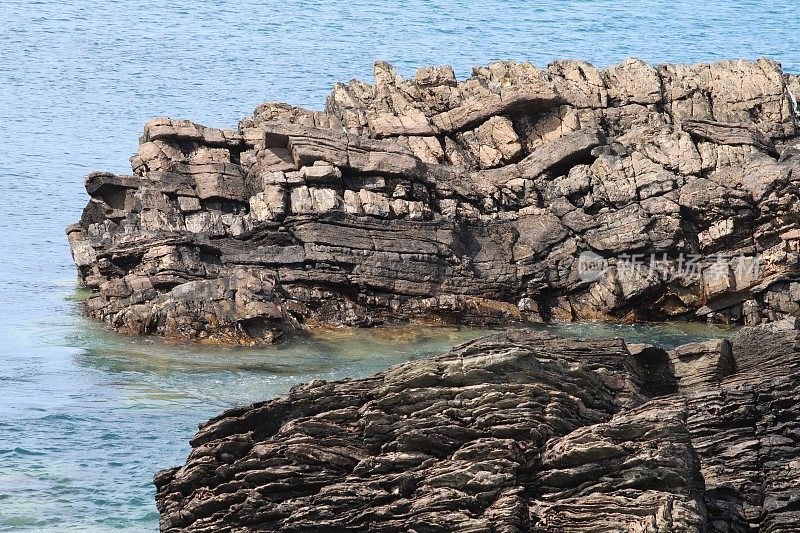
{"x":470,"y":202}
{"x":519,"y":431}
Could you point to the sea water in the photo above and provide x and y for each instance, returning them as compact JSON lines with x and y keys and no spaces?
{"x":88,"y":416}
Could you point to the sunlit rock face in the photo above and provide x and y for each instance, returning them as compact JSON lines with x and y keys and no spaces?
{"x":435,"y":200}
{"x":519,"y":431}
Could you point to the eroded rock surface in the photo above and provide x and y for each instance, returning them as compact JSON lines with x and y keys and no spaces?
{"x":519,"y":431}
{"x":436,"y":200}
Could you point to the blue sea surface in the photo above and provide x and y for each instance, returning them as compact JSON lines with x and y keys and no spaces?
{"x":88,"y":416}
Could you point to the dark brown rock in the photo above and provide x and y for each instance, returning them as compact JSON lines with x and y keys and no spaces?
{"x":519,"y":431}
{"x":433,"y":200}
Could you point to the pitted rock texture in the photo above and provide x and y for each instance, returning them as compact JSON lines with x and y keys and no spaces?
{"x":436,"y":200}
{"x":519,"y":431}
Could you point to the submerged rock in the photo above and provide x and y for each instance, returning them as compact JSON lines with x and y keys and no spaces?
{"x":519,"y":431}
{"x":473,"y":202}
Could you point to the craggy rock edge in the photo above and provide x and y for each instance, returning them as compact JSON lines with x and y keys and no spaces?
{"x":518,"y":431}
{"x":438,"y":201}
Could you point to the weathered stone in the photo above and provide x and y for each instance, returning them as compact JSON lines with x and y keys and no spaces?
{"x":493,"y":143}
{"x":313,"y":200}
{"x":373,"y":203}
{"x":440,"y":200}
{"x":563,"y":153}
{"x":730,"y":91}
{"x":433,"y":76}
{"x":219,"y":181}
{"x":632,"y":82}
{"x":519,"y":431}
{"x":321,"y":172}
{"x":270,"y":204}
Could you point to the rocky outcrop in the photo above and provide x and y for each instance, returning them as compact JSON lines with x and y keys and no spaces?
{"x":477,"y":202}
{"x":519,"y":431}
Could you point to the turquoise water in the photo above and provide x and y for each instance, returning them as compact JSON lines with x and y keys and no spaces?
{"x":86,"y":416}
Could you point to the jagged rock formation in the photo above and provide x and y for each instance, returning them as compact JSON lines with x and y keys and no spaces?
{"x":434,"y":200}
{"x":519,"y":431}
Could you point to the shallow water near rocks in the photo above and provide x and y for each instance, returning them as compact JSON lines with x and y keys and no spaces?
{"x":87,"y":416}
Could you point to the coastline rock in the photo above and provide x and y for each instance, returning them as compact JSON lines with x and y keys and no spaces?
{"x":518,"y":431}
{"x":434,"y":200}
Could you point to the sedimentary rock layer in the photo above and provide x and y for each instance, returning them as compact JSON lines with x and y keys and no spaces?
{"x":430,"y":199}
{"x":519,"y":431}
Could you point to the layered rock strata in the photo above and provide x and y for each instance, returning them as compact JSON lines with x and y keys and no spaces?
{"x":474,"y":202}
{"x":519,"y":431}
